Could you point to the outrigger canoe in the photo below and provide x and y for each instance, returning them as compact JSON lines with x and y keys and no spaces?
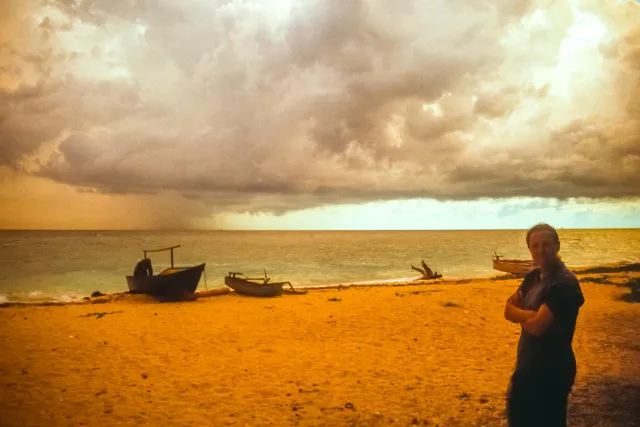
{"x":256,"y":287}
{"x":519,"y":267}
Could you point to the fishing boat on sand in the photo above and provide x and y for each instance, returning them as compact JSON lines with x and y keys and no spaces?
{"x":519,"y":267}
{"x":257,"y":287}
{"x":176,"y":282}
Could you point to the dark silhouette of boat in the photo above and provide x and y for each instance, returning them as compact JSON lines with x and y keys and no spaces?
{"x":176,"y":282}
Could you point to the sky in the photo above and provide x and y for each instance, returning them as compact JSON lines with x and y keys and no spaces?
{"x":319,"y":114}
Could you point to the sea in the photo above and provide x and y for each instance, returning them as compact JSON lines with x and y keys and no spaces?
{"x":37,"y":266}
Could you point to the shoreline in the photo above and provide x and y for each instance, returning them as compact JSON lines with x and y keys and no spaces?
{"x":418,"y":353}
{"x":612,"y":268}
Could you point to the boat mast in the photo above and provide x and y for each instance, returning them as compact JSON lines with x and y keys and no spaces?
{"x":171,"y":248}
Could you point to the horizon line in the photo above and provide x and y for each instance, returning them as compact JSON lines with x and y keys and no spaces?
{"x":298,"y":230}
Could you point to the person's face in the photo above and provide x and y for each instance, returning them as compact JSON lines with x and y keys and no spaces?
{"x":543,"y":248}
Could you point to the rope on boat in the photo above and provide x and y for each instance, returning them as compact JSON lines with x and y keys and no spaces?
{"x":205,"y":278}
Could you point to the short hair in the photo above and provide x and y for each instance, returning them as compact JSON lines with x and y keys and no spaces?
{"x":544,"y":227}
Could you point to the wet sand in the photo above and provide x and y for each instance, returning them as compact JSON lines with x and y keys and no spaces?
{"x":432,"y":354}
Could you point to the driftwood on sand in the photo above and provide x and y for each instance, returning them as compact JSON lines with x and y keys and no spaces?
{"x":426,"y":272}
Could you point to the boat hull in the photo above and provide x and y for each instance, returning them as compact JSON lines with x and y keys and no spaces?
{"x":517,"y":267}
{"x":245,"y":287}
{"x":170,"y":282}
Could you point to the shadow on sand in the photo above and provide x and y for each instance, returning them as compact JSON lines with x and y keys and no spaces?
{"x":610,"y":402}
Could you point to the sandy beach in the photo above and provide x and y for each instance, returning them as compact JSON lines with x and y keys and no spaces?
{"x":431,"y":354}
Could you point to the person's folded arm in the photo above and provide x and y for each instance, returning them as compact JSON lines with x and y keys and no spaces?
{"x":561,"y":300}
{"x":514,"y":312}
{"x":538,"y":324}
{"x":517,"y":315}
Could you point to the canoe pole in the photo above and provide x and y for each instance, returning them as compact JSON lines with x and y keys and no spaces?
{"x":171,"y":248}
{"x":205,"y":278}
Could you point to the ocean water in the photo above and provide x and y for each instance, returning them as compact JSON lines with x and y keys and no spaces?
{"x":64,"y":265}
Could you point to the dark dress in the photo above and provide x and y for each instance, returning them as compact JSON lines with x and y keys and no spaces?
{"x":546,"y":366}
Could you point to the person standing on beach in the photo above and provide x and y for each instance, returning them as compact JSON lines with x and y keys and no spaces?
{"x":546,"y":306}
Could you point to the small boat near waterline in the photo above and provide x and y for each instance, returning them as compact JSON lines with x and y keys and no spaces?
{"x":519,"y":267}
{"x":257,"y":287}
{"x":172,"y":282}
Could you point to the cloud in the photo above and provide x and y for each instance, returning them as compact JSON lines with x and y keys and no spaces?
{"x":29,"y":202}
{"x":290,"y":105}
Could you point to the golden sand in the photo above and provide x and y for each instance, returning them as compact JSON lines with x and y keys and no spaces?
{"x":435,"y":354}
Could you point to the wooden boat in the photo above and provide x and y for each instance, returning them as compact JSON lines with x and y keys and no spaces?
{"x":173,"y":282}
{"x":519,"y":267}
{"x":256,"y":287}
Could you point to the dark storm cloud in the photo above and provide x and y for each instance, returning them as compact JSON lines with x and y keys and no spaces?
{"x":331,"y":101}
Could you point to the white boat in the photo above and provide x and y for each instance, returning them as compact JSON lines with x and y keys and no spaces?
{"x":519,"y":267}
